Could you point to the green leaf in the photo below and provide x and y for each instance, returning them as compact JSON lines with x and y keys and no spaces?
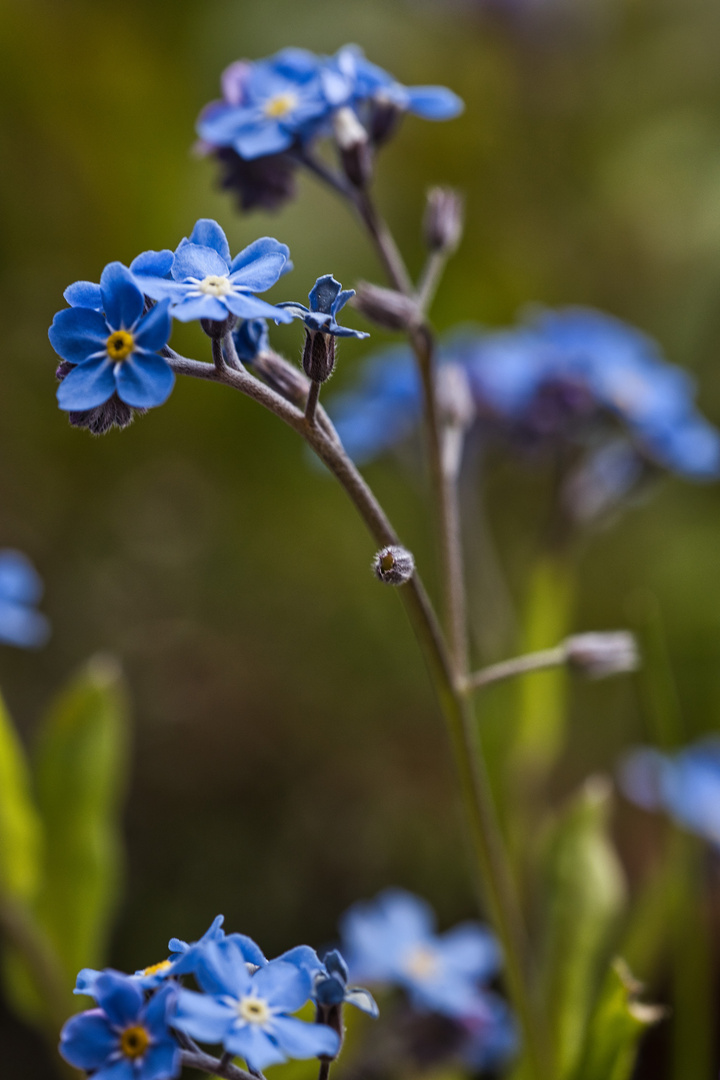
{"x":617,"y":1024}
{"x":81,"y":773}
{"x":20,"y":828}
{"x":585,"y":893}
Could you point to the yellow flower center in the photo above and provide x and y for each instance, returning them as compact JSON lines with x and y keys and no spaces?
{"x":155,"y":969}
{"x":213,"y":285}
{"x":134,"y":1041}
{"x":120,"y":344}
{"x":254,"y":1010}
{"x":421,"y":963}
{"x":280,"y":104}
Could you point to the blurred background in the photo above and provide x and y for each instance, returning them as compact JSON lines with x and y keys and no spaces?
{"x":288,"y":755}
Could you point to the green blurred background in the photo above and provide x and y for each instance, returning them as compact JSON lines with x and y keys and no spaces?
{"x":288,"y":756}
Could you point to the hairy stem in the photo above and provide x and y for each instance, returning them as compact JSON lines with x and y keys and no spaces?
{"x":518,"y":665}
{"x":312,"y":401}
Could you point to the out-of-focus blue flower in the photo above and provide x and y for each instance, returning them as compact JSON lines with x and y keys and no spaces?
{"x":203,"y":281}
{"x":112,"y":350}
{"x":392,"y":940}
{"x":124,"y":1039}
{"x":267,"y":105}
{"x":327,"y":297}
{"x":249,"y":1013}
{"x":20,"y":590}
{"x":492,"y":1033}
{"x":686,"y":786}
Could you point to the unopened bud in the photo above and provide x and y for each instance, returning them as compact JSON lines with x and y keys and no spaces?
{"x":385,"y":307}
{"x":443,"y":222}
{"x":282,"y":376}
{"x":394,"y":565}
{"x":318,"y":355}
{"x":352,"y":142}
{"x":218,"y":328}
{"x":385,"y":117}
{"x":598,"y":655}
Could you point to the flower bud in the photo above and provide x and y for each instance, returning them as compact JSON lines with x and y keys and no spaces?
{"x":394,"y":565}
{"x":598,"y":655}
{"x":218,"y":328}
{"x":352,"y":142}
{"x":318,"y":355}
{"x":443,"y":221}
{"x":387,"y":308}
{"x":385,"y":117}
{"x":282,"y":376}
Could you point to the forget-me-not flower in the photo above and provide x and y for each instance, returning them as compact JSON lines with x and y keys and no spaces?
{"x":20,"y":590}
{"x":327,"y":297}
{"x":685,"y":785}
{"x":112,"y":350}
{"x":125,"y":1038}
{"x":201,"y":280}
{"x":392,"y":940}
{"x":249,"y":1013}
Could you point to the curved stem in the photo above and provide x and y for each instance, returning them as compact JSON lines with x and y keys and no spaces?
{"x":518,"y":665}
{"x":197,"y":1059}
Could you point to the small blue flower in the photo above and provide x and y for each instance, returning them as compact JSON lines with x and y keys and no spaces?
{"x":327,"y":297}
{"x":492,"y":1036}
{"x":20,"y":590}
{"x":249,"y":1012}
{"x":267,"y":106}
{"x":186,"y":958}
{"x":202,"y":281}
{"x":124,"y":1039}
{"x":330,"y":987}
{"x":392,"y":940}
{"x":686,"y":785}
{"x":250,"y":337}
{"x":113,"y":349}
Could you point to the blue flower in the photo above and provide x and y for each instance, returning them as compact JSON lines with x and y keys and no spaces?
{"x":268,"y":105}
{"x":202,"y":281}
{"x":124,"y":1039}
{"x":250,"y":337}
{"x":392,"y":940}
{"x":249,"y":1012}
{"x":330,"y":987}
{"x":20,"y":590}
{"x":186,"y":958}
{"x":350,"y":78}
{"x":113,"y":350}
{"x":327,"y":297}
{"x":491,"y":1033}
{"x":686,"y":786}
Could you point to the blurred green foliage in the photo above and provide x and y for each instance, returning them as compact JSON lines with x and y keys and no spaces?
{"x":288,"y":756}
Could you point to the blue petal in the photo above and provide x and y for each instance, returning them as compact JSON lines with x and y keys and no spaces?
{"x":283,"y":985}
{"x":342,"y":299}
{"x":304,"y":957}
{"x":156,"y":1012}
{"x":87,"y":386}
{"x":19,"y":580}
{"x":22,"y":626}
{"x":207,"y":233}
{"x":193,"y":261}
{"x":85,"y":294}
{"x":119,"y":996}
{"x":251,"y":1043}
{"x":202,"y":307}
{"x":160,"y":1062}
{"x":246,"y":306}
{"x":153,"y":331}
{"x":122,"y":300}
{"x":77,"y":333}
{"x":266,"y":245}
{"x":153,"y":263}
{"x":123,"y":1069}
{"x":362,"y":1000}
{"x":262,"y":140}
{"x":434,"y":102}
{"x":302,"y":1040}
{"x":260,"y":274}
{"x":202,"y":1016}
{"x":144,"y":380}
{"x":161,"y":288}
{"x":87,"y":1040}
{"x":251,"y":952}
{"x":470,"y":951}
{"x":222,"y":968}
{"x":85,"y":982}
{"x":324,"y":293}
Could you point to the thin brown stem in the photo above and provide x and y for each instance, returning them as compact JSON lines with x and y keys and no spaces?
{"x":312,"y":401}
{"x":518,"y":665}
{"x":197,"y":1059}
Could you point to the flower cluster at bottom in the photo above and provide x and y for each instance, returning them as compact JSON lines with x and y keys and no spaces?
{"x":145,"y":1025}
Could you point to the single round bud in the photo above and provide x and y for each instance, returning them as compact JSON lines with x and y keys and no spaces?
{"x":352,"y":142}
{"x":394,"y":565}
{"x":599,"y":655}
{"x":318,"y":359}
{"x":443,"y":222}
{"x":218,"y":328}
{"x":387,"y":308}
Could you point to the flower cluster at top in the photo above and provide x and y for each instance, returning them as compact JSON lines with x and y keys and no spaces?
{"x":573,"y":378}
{"x":273,"y":110}
{"x":685,"y":785}
{"x":144,"y":1026}
{"x":113,"y":338}
{"x":20,"y":591}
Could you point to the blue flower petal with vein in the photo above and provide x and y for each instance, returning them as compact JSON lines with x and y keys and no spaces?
{"x":327,"y":297}
{"x":125,"y":1038}
{"x":392,"y":940}
{"x":20,"y":590}
{"x":250,"y":1013}
{"x":686,"y":785}
{"x":113,"y":349}
{"x":203,"y":280}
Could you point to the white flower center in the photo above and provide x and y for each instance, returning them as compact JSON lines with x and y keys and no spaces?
{"x":254,"y":1010}
{"x":213,"y":285}
{"x":421,"y":962}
